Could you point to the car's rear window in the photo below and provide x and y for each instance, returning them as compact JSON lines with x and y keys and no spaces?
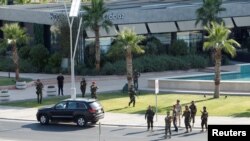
{"x":95,"y":105}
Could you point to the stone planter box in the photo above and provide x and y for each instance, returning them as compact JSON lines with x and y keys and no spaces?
{"x":51,"y":90}
{"x":21,"y":84}
{"x":4,"y":95}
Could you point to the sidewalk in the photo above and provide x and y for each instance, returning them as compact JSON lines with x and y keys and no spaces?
{"x":117,"y":119}
{"x":105,"y":83}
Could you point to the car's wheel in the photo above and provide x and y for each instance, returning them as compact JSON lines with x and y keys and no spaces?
{"x":44,"y":119}
{"x":81,"y":121}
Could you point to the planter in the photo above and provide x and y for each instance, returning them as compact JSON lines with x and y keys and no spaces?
{"x":21,"y":84}
{"x":4,"y":95}
{"x":51,"y":90}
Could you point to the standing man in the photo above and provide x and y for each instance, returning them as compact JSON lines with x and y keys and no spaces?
{"x":39,"y":91}
{"x":178,"y":111}
{"x":149,"y":116}
{"x":204,"y":117}
{"x":60,"y":80}
{"x":93,"y":89}
{"x":136,"y":75}
{"x":168,"y":120}
{"x":187,"y":116}
{"x":83,"y":85}
{"x":132,"y":95}
{"x":175,"y":119}
{"x":193,"y":111}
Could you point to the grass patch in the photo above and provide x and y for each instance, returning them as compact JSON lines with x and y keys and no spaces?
{"x":238,"y":106}
{"x":5,"y":81}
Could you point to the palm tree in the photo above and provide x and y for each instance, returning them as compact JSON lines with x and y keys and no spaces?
{"x":94,"y":19}
{"x":14,"y":34}
{"x":218,"y":41}
{"x":3,"y":2}
{"x":127,"y":43}
{"x":209,"y":12}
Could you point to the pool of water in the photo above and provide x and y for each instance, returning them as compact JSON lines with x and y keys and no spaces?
{"x":228,"y":76}
{"x":242,"y":75}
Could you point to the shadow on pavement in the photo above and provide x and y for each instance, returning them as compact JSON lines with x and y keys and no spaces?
{"x":55,"y":127}
{"x":133,"y":133}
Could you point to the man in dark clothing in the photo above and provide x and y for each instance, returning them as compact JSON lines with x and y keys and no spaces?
{"x":193,"y":111}
{"x":83,"y":85}
{"x":132,"y":95}
{"x":187,"y":116}
{"x":168,"y":120}
{"x":150,"y":116}
{"x":93,"y":89}
{"x":204,"y":117}
{"x":60,"y":79}
{"x":136,"y":75}
{"x":39,"y":92}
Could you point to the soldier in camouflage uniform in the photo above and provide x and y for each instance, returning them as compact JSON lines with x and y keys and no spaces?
{"x":39,"y":92}
{"x":132,"y":95}
{"x":136,"y":76}
{"x":204,"y":117}
{"x":93,"y":89}
{"x":187,"y":118}
{"x":168,"y":120}
{"x":193,"y":111}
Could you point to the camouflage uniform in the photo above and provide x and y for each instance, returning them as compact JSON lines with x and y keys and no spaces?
{"x":39,"y":92}
{"x":204,"y":117}
{"x":132,"y":95}
{"x":193,"y":111}
{"x":93,"y":89}
{"x":168,"y":125}
{"x":187,"y":116}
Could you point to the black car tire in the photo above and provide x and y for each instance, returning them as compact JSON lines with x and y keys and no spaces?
{"x":81,"y":121}
{"x":43,"y":119}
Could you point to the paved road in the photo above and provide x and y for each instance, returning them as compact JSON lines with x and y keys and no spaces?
{"x":13,"y":130}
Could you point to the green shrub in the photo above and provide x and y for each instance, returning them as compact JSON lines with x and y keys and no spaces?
{"x":39,"y":56}
{"x":120,"y":67}
{"x":3,"y":51}
{"x":108,"y":69}
{"x":54,"y":62}
{"x":80,"y":69}
{"x":24,"y":52}
{"x":153,"y":46}
{"x":26,"y":66}
{"x":6,"y":64}
{"x":179,"y":47}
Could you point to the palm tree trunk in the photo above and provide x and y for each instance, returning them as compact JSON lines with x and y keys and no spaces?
{"x":217,"y":76}
{"x":129,"y":67}
{"x":97,"y":50}
{"x":15,"y":60}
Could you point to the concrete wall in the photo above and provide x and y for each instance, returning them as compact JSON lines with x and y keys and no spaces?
{"x":200,"y":85}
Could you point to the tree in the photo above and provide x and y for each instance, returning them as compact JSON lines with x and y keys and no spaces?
{"x":14,"y":34}
{"x":94,"y":19}
{"x":127,"y":42}
{"x":218,"y":41}
{"x":209,"y":12}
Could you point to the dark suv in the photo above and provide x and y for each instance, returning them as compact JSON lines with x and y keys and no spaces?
{"x":78,"y":110}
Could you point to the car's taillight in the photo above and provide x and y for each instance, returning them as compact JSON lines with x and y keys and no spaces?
{"x":92,"y":110}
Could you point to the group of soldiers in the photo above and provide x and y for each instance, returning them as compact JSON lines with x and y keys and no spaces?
{"x":60,"y":78}
{"x":189,"y":116}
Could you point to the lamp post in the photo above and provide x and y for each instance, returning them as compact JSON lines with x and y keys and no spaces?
{"x":74,"y":11}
